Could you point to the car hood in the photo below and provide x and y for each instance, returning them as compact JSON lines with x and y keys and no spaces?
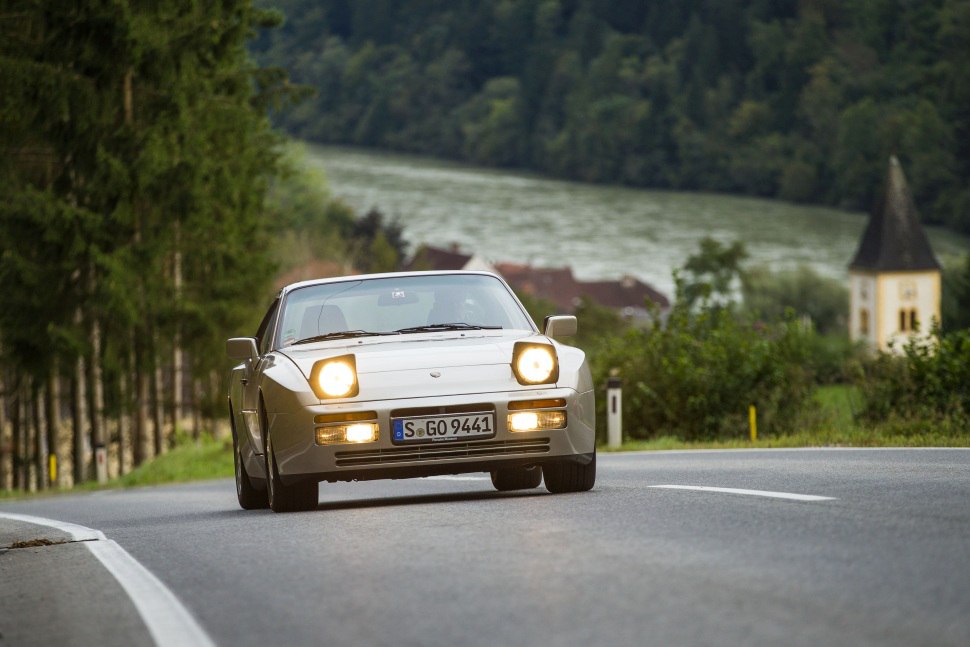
{"x":415,"y":351}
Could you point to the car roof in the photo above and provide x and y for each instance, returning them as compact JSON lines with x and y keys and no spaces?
{"x":385,"y":275}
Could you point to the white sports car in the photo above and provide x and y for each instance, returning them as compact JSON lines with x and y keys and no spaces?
{"x":406,"y":375}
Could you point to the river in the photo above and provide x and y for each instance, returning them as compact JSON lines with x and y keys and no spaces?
{"x":602,"y":232}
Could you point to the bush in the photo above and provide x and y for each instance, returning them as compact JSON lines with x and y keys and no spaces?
{"x":695,"y":377}
{"x":929,"y":385}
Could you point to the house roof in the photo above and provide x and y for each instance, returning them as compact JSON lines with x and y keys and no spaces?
{"x":558,"y":285}
{"x":894,"y":239}
{"x":555,"y":284}
{"x":626,"y":293}
{"x":427,"y":257}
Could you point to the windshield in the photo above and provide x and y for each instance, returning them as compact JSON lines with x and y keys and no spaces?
{"x":420,"y":303}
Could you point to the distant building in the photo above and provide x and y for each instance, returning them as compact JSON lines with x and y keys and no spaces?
{"x":427,"y":257}
{"x":629,"y":296}
{"x":894,"y":278}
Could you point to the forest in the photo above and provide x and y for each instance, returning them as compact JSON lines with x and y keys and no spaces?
{"x":802,"y":101}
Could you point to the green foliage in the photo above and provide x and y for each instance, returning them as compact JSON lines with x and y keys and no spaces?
{"x":803,"y":101}
{"x":771,"y":294}
{"x":956,"y":296}
{"x":695,"y":377}
{"x":713,"y":275}
{"x":379,"y":242}
{"x":927,"y":388}
{"x":538,"y":308}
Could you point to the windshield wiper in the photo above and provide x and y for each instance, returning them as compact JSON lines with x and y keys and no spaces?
{"x":446,"y":326}
{"x":342,"y":334}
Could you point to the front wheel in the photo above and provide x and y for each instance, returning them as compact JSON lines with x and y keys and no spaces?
{"x":287,"y":498}
{"x":567,"y":476}
{"x":249,"y":497}
{"x":516,"y":478}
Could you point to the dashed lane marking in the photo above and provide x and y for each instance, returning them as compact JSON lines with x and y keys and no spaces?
{"x":763,"y":493}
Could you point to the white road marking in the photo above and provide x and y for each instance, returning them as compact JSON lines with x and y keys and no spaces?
{"x":77,"y":533}
{"x":167,"y":620}
{"x":457,"y":478}
{"x":764,"y":493}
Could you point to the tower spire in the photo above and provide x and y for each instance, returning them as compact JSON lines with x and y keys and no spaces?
{"x":894,"y":240}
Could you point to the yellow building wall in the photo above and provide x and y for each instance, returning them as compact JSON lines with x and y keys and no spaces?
{"x":906,"y":291}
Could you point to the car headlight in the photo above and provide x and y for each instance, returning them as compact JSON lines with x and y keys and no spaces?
{"x":535,"y":363}
{"x":335,"y":377}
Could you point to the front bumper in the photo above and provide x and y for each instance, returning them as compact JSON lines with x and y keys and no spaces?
{"x":299,"y":458}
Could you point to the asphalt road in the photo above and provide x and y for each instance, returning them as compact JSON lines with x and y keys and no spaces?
{"x":448,"y":561}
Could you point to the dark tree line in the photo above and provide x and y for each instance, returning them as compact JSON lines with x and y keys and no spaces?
{"x":134,"y":159}
{"x":799,"y":100}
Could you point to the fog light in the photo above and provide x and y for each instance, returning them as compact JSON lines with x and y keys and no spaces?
{"x":358,"y":432}
{"x":362,"y":433}
{"x":537,"y":420}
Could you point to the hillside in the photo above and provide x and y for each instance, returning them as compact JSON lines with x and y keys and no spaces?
{"x":802,"y":101}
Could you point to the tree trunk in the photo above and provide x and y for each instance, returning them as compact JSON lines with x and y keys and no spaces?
{"x":215,"y":396}
{"x":4,"y":443}
{"x":177,"y":358}
{"x":196,"y":408}
{"x":96,"y":404}
{"x":18,"y":430}
{"x":140,"y":404}
{"x":158,"y":414}
{"x":53,"y":416}
{"x":158,"y":421}
{"x":78,"y":415}
{"x":39,"y":431}
{"x":124,"y":419}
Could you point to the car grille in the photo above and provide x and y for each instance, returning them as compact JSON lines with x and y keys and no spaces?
{"x":439,"y":451}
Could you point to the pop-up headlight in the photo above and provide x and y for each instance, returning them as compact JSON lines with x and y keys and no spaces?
{"x":535,"y":363}
{"x":335,"y":377}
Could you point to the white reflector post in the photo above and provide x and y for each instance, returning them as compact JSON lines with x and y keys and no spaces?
{"x":614,"y":412}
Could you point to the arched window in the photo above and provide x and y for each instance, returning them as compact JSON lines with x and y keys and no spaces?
{"x":913,"y":322}
{"x":903,"y":321}
{"x":864,"y":321}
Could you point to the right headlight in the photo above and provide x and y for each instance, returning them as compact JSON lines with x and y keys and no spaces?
{"x":535,"y":363}
{"x":335,"y":377}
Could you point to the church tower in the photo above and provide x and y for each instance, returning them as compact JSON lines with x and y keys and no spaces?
{"x":894,"y":279}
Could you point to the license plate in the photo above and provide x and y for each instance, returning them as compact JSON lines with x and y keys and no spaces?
{"x":433,"y":429}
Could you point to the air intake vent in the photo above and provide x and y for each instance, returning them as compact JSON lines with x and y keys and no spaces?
{"x":440,"y":451}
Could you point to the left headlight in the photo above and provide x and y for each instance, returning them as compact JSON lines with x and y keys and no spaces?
{"x":335,"y":377}
{"x":535,"y":363}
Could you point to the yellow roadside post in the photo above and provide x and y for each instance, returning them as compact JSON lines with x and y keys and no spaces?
{"x":753,"y":420}
{"x":53,"y":469}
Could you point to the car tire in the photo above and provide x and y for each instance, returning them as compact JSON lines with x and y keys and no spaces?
{"x":565,"y":476}
{"x":250,"y":498}
{"x":516,"y":478}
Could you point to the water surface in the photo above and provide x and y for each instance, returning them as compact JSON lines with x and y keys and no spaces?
{"x":602,"y":232}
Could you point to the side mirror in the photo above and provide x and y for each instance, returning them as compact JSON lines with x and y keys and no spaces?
{"x":241,"y":348}
{"x":561,"y":326}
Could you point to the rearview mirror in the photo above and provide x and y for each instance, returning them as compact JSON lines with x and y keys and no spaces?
{"x":561,"y":326}
{"x":241,"y":348}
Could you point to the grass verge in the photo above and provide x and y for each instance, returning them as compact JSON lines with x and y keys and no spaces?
{"x":189,"y":460}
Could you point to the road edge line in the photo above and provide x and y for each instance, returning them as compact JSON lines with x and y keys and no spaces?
{"x":166,"y":618}
{"x":168,"y":621}
{"x":77,"y":533}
